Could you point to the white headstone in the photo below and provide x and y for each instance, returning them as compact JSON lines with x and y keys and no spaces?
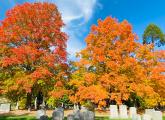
{"x":5,"y":107}
{"x":150,"y":112}
{"x":157,"y":115}
{"x":114,"y":111}
{"x":132,"y":111}
{"x":136,"y":117}
{"x":123,"y":111}
{"x":146,"y":117}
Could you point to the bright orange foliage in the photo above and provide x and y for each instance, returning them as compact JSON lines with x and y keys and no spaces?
{"x":118,"y":64}
{"x":32,"y":44}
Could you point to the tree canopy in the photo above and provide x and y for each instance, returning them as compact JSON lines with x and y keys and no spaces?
{"x":153,"y":34}
{"x":114,"y":66}
{"x":33,"y":49}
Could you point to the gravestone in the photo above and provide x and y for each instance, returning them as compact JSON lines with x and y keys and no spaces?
{"x":123,"y":111}
{"x":114,"y":111}
{"x":146,"y":117}
{"x":86,"y":115}
{"x":76,"y":115}
{"x":157,"y":115}
{"x":40,"y":113}
{"x":5,"y":107}
{"x":58,"y":114}
{"x":132,"y":111}
{"x":136,"y":117}
{"x":91,"y":115}
{"x":44,"y":117}
{"x":150,"y":112}
{"x":70,"y":117}
{"x":83,"y":108}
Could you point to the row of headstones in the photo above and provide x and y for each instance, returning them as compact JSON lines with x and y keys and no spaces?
{"x":150,"y":114}
{"x":58,"y":114}
{"x":5,"y":107}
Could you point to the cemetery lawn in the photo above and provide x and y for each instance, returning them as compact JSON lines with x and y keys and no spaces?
{"x":26,"y":117}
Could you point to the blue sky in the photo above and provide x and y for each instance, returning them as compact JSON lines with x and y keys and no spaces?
{"x":79,"y":15}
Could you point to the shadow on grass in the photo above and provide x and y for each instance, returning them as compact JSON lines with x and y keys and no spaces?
{"x":16,"y":117}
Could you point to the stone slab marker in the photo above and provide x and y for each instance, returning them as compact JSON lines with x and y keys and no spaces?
{"x":146,"y":117}
{"x":5,"y":107}
{"x":157,"y":115}
{"x":91,"y":115}
{"x":114,"y":111}
{"x":150,"y":112}
{"x":40,"y":113}
{"x":44,"y":117}
{"x":76,"y":114}
{"x":132,"y":111}
{"x":123,"y":111}
{"x":58,"y":114}
{"x":136,"y":117}
{"x":70,"y":117}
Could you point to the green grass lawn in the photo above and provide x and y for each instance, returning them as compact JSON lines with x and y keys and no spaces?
{"x":25,"y":117}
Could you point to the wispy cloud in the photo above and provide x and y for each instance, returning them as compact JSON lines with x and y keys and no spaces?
{"x":75,"y":14}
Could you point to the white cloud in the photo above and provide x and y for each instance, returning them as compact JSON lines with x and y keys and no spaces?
{"x":75,"y":14}
{"x":75,"y":9}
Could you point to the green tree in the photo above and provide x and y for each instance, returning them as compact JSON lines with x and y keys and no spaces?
{"x":153,"y":34}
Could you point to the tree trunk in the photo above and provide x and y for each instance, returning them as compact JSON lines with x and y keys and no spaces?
{"x":35,"y":104}
{"x":17,"y":105}
{"x":28,"y":101}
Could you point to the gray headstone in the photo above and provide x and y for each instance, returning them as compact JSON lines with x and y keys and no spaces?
{"x":146,"y":117}
{"x":5,"y":107}
{"x":40,"y":113}
{"x":114,"y":111}
{"x":70,"y":117}
{"x":44,"y":117}
{"x":76,"y":115}
{"x":91,"y":115}
{"x":132,"y":111}
{"x":58,"y":114}
{"x":123,"y":111}
{"x":157,"y":115}
{"x":87,"y":115}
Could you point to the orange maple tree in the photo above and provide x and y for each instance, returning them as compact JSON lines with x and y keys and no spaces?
{"x":115,"y":66}
{"x":33,"y":49}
